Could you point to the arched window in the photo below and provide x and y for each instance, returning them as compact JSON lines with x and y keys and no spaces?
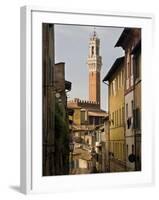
{"x":87,"y":141}
{"x":92,"y":50}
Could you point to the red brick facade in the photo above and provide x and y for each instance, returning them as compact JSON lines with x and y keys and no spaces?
{"x":94,"y":86}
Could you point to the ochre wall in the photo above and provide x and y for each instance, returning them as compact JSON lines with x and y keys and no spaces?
{"x":116,"y":103}
{"x":77,"y":116}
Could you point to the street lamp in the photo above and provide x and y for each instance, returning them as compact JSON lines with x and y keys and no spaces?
{"x":71,"y":145}
{"x":57,"y":95}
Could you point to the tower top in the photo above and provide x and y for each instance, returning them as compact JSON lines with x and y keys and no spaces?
{"x":94,"y":60}
{"x":94,"y":34}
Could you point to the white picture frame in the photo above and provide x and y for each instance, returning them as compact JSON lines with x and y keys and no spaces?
{"x":31,"y":93}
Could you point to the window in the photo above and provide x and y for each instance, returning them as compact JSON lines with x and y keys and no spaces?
{"x":114,"y":87}
{"x":113,"y":147}
{"x":120,"y":117}
{"x":131,"y":65}
{"x":117,"y":117}
{"x":137,"y":66}
{"x":126,"y":110}
{"x":113,"y":120}
{"x":127,"y":66}
{"x":137,"y":119}
{"x":97,"y":120}
{"x":111,"y":89}
{"x":127,"y":71}
{"x":122,"y":77}
{"x":92,"y":50}
{"x":132,"y":107}
{"x":87,"y":141}
{"x":128,"y":122}
{"x":110,"y":120}
{"x":83,"y":117}
{"x":119,"y":80}
{"x":90,"y":120}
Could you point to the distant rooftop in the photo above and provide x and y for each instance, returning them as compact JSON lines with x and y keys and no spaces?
{"x":91,"y":106}
{"x":82,"y":154}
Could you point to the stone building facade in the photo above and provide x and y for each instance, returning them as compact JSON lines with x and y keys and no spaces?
{"x":48,"y":100}
{"x":136,"y":52}
{"x":130,"y":101}
{"x":55,"y":119}
{"x":116,"y":135}
{"x":128,"y":40}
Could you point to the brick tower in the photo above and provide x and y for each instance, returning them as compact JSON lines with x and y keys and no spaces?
{"x":94,"y":63}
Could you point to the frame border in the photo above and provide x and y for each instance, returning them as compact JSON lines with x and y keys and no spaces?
{"x":26,"y":82}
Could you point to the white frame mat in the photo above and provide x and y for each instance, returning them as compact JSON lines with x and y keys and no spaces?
{"x":31,"y":101}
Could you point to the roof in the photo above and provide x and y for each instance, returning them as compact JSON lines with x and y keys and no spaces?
{"x":114,"y":67}
{"x":82,"y":154}
{"x":59,"y":63}
{"x":97,"y":114}
{"x":73,"y":106}
{"x":122,"y":37}
{"x":136,"y":48}
{"x":96,"y":110}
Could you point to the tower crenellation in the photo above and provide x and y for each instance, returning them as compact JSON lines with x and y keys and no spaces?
{"x":83,"y":103}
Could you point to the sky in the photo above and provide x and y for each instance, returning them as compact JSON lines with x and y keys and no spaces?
{"x":71,"y":47}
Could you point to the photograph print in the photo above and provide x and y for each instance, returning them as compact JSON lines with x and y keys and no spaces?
{"x":91,"y":99}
